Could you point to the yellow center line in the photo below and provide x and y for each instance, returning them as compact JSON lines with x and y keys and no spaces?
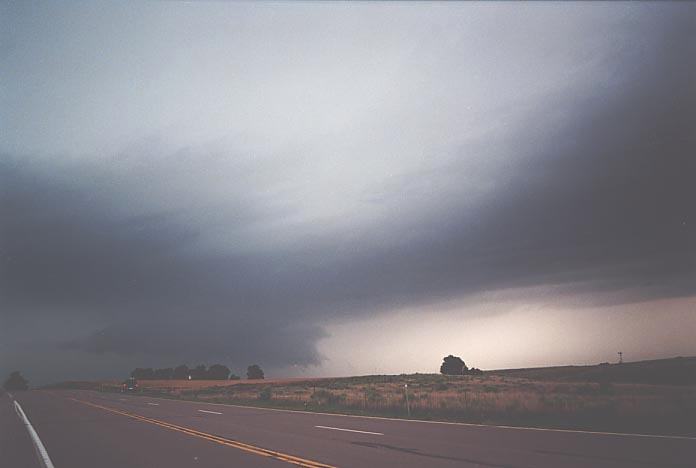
{"x":217,"y":439}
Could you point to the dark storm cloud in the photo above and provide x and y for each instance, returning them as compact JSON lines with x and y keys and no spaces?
{"x":64,"y":254}
{"x":600,"y":206}
{"x":603,"y":207}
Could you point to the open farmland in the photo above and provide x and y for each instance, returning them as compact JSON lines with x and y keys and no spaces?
{"x":489,"y":399}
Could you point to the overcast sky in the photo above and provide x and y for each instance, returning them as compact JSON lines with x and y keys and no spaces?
{"x":345,"y":188}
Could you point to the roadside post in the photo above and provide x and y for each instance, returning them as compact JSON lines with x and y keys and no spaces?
{"x":408,"y":405}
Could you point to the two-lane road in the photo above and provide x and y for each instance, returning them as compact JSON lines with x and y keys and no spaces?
{"x":89,"y":429}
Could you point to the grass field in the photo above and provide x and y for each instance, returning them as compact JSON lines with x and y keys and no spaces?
{"x":559,"y":398}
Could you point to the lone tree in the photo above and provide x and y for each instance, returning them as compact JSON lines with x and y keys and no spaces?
{"x":16,"y":382}
{"x":254,"y":372}
{"x":453,"y":365}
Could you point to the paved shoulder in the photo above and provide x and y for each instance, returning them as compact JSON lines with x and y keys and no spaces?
{"x":16,"y":448}
{"x":76,"y":435}
{"x":366,"y":442}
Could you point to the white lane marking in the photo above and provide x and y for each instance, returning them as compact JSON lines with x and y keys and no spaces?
{"x":348,"y":430}
{"x":153,"y":404}
{"x":206,"y":411}
{"x":448,"y":423}
{"x":40,"y":449}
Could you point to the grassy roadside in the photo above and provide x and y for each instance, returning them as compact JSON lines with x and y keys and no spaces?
{"x":487,"y":399}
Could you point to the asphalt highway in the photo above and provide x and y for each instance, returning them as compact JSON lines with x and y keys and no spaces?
{"x":90,"y":429}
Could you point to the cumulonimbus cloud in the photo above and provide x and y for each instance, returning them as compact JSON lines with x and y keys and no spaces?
{"x":171,"y":267}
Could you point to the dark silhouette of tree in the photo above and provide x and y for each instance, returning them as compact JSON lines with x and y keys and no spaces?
{"x":475,"y":371}
{"x":16,"y":382}
{"x":143,"y":373}
{"x":218,"y":372}
{"x":254,"y":372}
{"x":181,"y":372}
{"x":200,"y":372}
{"x":453,"y":365}
{"x":164,"y":374}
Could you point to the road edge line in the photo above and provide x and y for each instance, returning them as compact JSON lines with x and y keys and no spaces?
{"x":38,"y":445}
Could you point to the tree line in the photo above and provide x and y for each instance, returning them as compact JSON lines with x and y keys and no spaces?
{"x":200,"y":372}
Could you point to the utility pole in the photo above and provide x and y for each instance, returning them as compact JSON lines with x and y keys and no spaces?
{"x":620,"y":357}
{"x":408,"y":405}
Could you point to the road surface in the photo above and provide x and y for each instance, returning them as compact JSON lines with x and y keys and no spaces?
{"x":90,"y":429}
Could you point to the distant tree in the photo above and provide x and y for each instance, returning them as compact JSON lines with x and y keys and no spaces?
{"x":218,"y":372}
{"x":475,"y":371}
{"x":200,"y":372}
{"x":164,"y":374}
{"x":181,"y":372}
{"x":453,"y":365}
{"x":143,"y":373}
{"x":234,"y":377}
{"x":254,"y":372}
{"x":16,"y":382}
